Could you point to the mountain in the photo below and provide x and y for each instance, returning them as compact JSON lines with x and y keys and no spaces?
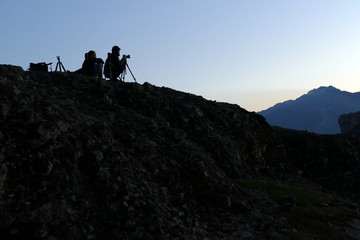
{"x":83,"y":158}
{"x":317,"y":111}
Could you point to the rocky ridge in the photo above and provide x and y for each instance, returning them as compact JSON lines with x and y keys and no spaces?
{"x":83,"y":158}
{"x":350,"y":124}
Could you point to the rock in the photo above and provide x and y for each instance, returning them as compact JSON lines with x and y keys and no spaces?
{"x":350,"y":124}
{"x":82,"y":158}
{"x":355,"y":223}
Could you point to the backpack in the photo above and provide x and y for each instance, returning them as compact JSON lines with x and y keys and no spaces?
{"x":42,"y":67}
{"x":107,"y":67}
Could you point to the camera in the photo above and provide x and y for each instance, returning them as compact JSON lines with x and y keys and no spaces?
{"x":126,"y":56}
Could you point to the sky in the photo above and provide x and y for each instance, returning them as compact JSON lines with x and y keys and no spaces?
{"x":253,"y":53}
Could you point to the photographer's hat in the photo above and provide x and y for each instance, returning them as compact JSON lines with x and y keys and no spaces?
{"x":115,"y":49}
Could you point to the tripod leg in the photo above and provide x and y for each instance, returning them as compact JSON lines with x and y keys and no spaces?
{"x":131,"y":72}
{"x":122,"y":77}
{"x":62,"y":67}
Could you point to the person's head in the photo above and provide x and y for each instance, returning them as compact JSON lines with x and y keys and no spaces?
{"x":115,"y":50}
{"x":91,"y":54}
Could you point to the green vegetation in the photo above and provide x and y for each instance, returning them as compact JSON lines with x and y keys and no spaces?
{"x":309,"y":211}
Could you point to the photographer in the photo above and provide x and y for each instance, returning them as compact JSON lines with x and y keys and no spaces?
{"x":92,"y":66}
{"x":118,"y":66}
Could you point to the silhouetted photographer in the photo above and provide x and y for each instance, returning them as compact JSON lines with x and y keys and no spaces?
{"x":115,"y":67}
{"x":92,"y":66}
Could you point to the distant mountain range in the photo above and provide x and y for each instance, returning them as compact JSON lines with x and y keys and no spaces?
{"x":317,"y":111}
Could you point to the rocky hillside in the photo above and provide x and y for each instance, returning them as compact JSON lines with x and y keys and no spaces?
{"x":83,"y":158}
{"x":331,"y":161}
{"x":350,"y":124}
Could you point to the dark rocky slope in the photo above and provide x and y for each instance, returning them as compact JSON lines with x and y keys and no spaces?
{"x":331,"y":161}
{"x":83,"y":158}
{"x":350,"y":124}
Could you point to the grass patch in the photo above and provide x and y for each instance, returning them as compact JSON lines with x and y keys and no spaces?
{"x":306,"y":209}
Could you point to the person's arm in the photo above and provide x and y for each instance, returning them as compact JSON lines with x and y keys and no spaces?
{"x":123,"y":61}
{"x":99,"y":60}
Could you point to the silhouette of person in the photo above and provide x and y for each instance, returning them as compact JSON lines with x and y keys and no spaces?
{"x":92,"y":66}
{"x":116,"y":65}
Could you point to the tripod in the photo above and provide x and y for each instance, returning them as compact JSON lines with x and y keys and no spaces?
{"x":60,"y":65}
{"x":122,"y":77}
{"x":130,"y":72}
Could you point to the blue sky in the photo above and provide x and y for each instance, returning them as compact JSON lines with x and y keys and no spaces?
{"x":254,"y":53}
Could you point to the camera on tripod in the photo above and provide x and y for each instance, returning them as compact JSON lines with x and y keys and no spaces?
{"x":59,"y":65}
{"x":126,"y":56}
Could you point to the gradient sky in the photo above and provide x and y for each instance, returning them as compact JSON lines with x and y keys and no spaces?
{"x":254,"y":53}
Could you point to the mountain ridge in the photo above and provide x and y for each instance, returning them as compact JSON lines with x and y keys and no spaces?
{"x":317,"y":111}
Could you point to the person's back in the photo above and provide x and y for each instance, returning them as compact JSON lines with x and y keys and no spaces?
{"x":92,"y":66}
{"x":88,"y":66}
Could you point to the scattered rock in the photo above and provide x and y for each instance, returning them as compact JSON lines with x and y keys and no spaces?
{"x":82,"y":158}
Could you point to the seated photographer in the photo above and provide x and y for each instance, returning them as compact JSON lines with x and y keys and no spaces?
{"x":92,"y":66}
{"x":114,"y":66}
